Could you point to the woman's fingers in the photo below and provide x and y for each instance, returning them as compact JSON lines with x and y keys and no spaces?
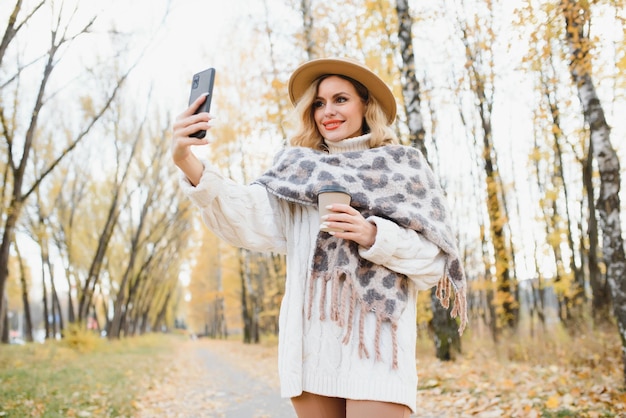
{"x":184,"y":120}
{"x":186,"y":124}
{"x":189,"y":122}
{"x":354,"y":226}
{"x":194,"y":105}
{"x":343,"y":208}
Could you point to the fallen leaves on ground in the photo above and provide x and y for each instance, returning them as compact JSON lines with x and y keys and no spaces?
{"x":183,"y":389}
{"x":583,"y":379}
{"x":187,"y":389}
{"x":477,"y":384}
{"x":467,"y":388}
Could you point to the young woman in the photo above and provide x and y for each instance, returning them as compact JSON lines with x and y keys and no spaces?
{"x":348,"y":317}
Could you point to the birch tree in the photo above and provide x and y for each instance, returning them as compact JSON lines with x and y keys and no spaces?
{"x":307,"y":29}
{"x":444,"y":327}
{"x":577,"y":18}
{"x":410,"y":84}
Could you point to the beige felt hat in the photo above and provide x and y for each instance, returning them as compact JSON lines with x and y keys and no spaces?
{"x":308,"y":72}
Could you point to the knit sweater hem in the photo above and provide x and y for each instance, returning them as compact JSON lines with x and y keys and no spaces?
{"x":361,"y":389}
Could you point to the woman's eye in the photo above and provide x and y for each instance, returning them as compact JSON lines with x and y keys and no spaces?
{"x":341,"y":99}
{"x":317,"y":104}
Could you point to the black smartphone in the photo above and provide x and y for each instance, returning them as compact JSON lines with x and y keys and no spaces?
{"x":201,"y":83}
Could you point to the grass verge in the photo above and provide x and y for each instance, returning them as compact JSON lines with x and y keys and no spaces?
{"x":81,"y":376}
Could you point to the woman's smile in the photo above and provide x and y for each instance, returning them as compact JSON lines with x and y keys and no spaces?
{"x":338,"y":110}
{"x":332,"y":124}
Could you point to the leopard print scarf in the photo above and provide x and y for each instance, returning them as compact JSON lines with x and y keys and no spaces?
{"x":393,"y":182}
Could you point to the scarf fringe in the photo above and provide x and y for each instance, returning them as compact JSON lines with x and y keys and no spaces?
{"x":344,"y":300}
{"x":362,"y":349}
{"x":459,"y":310}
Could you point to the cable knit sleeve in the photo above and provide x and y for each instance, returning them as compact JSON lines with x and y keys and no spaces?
{"x":243,"y":215}
{"x":405,"y":251}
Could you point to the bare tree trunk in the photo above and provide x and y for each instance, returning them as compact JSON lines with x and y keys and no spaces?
{"x":124,"y":295}
{"x":220,"y":314}
{"x":255,"y":299}
{"x":574,"y":297}
{"x":576,"y":15}
{"x":55,"y":308}
{"x":71,"y":314}
{"x":307,"y":25}
{"x":248,"y":301}
{"x":410,"y":85}
{"x":600,"y":292}
{"x":44,"y":297}
{"x":245,"y":312}
{"x":279,"y":98}
{"x":159,"y":322}
{"x":86,"y":295}
{"x":57,"y":314}
{"x":577,"y":294}
{"x":445,"y":328}
{"x":4,"y":319}
{"x":28,"y":321}
{"x":481,"y":81}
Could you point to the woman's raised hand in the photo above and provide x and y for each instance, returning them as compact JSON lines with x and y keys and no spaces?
{"x":185,"y":125}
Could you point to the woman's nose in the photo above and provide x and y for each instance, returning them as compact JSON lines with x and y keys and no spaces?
{"x":329,"y":109}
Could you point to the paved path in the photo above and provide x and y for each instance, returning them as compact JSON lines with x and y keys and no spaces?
{"x":240,"y":394}
{"x":216,"y":379}
{"x":222,"y":379}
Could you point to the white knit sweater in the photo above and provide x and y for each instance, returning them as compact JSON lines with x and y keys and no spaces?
{"x":311,"y":355}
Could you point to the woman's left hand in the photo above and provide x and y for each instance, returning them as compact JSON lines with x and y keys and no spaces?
{"x":354,"y":226}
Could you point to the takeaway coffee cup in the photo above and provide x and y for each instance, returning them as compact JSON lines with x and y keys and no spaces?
{"x":329,"y":195}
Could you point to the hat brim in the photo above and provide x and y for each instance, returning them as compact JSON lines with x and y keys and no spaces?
{"x":308,"y":72}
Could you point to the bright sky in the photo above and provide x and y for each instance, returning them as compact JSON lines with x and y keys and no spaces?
{"x":185,"y":43}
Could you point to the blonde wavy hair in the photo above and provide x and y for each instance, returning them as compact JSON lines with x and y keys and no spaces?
{"x":375,"y":119}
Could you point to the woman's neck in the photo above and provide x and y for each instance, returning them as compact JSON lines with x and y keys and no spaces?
{"x":358,"y":143}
